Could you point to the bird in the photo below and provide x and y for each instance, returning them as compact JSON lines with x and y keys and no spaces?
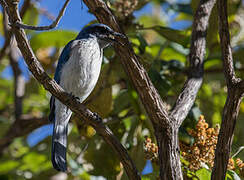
{"x":77,"y":73}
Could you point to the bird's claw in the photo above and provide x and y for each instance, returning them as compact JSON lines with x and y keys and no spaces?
{"x":97,"y":118}
{"x":74,"y":97}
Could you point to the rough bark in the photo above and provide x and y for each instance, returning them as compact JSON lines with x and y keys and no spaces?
{"x":8,"y":36}
{"x":165,"y":125}
{"x":50,"y":85}
{"x":19,"y":83}
{"x":149,"y":96}
{"x":169,"y":153}
{"x":234,"y":97}
{"x":223,"y":148}
{"x":188,"y":94}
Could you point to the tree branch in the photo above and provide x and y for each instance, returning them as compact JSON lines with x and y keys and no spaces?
{"x":234,"y":97}
{"x":188,"y":95}
{"x":51,"y":85}
{"x":22,"y":127}
{"x":167,"y":139}
{"x":8,"y":36}
{"x":19,"y":82}
{"x":138,"y":75}
{"x":42,"y":28}
{"x":224,"y":34}
{"x":166,"y":128}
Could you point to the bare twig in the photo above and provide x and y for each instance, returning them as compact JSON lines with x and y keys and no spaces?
{"x":234,"y":97}
{"x":23,"y":10}
{"x":51,"y":85}
{"x":42,"y":28}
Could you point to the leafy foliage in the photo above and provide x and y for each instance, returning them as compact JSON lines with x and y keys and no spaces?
{"x":161,"y":40}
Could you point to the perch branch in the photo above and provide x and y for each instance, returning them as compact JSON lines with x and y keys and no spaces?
{"x":51,"y":85}
{"x":138,"y":75}
{"x":166,"y":128}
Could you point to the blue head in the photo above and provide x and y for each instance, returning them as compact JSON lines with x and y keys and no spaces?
{"x":104,"y":34}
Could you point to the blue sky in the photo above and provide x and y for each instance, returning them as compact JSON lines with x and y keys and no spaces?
{"x":76,"y":16}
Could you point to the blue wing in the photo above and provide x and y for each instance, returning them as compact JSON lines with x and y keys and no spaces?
{"x":64,"y":57}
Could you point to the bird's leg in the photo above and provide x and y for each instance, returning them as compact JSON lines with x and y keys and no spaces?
{"x":97,"y":117}
{"x":74,"y":97}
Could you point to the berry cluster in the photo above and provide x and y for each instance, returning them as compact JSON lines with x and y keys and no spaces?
{"x":201,"y":152}
{"x":240,"y":165}
{"x":150,"y":149}
{"x":204,"y":145}
{"x":203,"y":149}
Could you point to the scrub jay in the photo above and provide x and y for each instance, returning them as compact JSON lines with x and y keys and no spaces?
{"x":77,"y":73}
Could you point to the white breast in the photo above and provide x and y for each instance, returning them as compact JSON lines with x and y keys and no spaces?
{"x":80,"y":73}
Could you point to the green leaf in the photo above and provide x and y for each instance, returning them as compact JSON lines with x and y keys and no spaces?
{"x":102,"y":94}
{"x":183,"y":16}
{"x":184,"y":8}
{"x":203,"y":174}
{"x":151,"y":176}
{"x":143,"y":43}
{"x":108,"y":166}
{"x":35,"y":162}
{"x":1,"y":24}
{"x":177,"y":36}
{"x":233,"y":175}
{"x":170,"y":53}
{"x":31,"y":16}
{"x":55,"y":38}
{"x":121,"y":102}
{"x":8,"y":166}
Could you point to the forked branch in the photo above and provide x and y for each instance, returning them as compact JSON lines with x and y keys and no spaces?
{"x":234,"y":97}
{"x":43,"y":28}
{"x":51,"y":85}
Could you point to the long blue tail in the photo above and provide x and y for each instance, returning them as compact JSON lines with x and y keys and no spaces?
{"x":59,"y":143}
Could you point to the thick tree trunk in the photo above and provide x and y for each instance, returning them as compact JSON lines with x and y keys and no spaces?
{"x":169,"y":153}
